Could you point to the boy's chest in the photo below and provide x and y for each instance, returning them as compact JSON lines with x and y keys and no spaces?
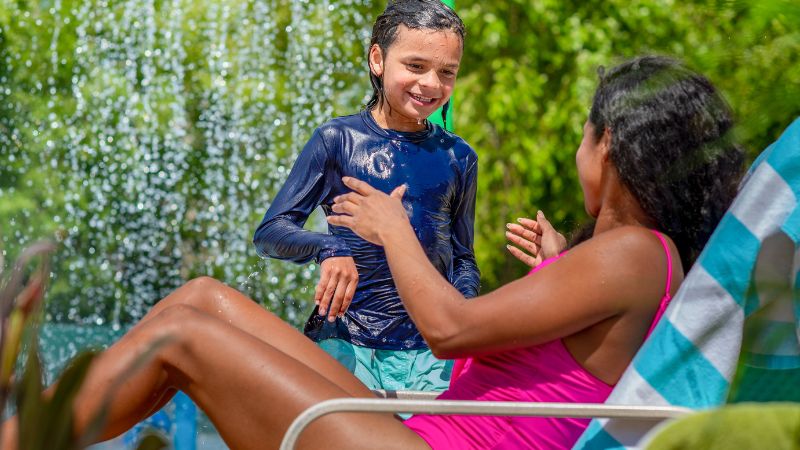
{"x":431,"y":177}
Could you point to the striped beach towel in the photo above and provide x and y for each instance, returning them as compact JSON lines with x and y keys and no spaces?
{"x":732,"y":332}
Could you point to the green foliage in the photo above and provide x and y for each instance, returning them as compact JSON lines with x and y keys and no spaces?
{"x":743,"y":426}
{"x":151,"y":136}
{"x":38,"y":413}
{"x":529,"y":72}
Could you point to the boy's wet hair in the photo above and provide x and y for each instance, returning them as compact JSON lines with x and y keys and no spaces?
{"x":672,"y":143}
{"x":415,"y":14}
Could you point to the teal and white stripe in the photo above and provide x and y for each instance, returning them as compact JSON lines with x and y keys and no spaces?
{"x":739,"y":306}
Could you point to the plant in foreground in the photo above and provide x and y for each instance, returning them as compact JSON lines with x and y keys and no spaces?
{"x":45,"y":422}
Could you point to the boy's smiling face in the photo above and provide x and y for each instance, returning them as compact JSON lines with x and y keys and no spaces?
{"x":419,"y":72}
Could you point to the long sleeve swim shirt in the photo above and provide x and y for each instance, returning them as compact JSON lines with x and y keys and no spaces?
{"x":440,"y":171}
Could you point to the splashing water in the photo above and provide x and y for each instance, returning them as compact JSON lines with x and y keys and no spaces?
{"x":152,"y":136}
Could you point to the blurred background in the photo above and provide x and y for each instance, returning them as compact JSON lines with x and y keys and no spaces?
{"x":149,"y":136}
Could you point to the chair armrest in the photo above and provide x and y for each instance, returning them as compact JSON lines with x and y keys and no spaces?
{"x":406,"y":395}
{"x":476,"y":408}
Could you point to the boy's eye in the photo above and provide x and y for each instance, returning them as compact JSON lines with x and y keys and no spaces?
{"x":414,"y":66}
{"x":448,"y":73}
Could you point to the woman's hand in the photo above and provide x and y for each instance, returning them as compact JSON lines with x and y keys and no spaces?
{"x":536,"y":237}
{"x":369,"y":212}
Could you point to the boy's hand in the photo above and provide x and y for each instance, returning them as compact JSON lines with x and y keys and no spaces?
{"x":336,"y":287}
{"x":537,"y":237}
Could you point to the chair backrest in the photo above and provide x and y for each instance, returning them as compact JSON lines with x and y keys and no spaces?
{"x":731,"y":332}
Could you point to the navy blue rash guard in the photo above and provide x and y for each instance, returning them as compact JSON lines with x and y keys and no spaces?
{"x":440,"y":171}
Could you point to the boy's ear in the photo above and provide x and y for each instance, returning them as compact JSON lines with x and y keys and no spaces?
{"x":376,"y":60}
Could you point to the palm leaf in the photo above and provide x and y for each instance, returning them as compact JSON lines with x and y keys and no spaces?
{"x":31,"y":404}
{"x":58,"y":413}
{"x":97,"y":423}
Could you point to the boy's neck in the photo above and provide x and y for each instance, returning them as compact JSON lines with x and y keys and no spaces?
{"x":389,"y":121}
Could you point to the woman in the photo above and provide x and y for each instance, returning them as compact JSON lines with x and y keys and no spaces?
{"x":657,"y":170}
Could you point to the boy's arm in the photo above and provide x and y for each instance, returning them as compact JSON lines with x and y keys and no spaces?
{"x":466,"y":276}
{"x":280,"y":234}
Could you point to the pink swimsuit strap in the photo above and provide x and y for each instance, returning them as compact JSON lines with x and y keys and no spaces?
{"x":667,"y":297}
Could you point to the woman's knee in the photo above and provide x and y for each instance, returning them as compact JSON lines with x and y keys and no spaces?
{"x":203,"y":293}
{"x":205,"y":284}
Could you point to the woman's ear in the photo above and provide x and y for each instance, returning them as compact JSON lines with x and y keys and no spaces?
{"x":604,"y":146}
{"x":376,"y":60}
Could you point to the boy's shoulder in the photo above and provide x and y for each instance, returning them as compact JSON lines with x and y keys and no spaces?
{"x":338,"y":124}
{"x":455,"y":142}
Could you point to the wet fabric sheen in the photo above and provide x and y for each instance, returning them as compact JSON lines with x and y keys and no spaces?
{"x":440,"y":171}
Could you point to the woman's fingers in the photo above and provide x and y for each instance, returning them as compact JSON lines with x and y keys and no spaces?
{"x":398,"y":192}
{"x":520,"y":241}
{"x":358,"y":185}
{"x":529,"y":235}
{"x":552,"y":242}
{"x":524,"y":234}
{"x":530,"y":224}
{"x":522,"y":256}
{"x":345,"y":207}
{"x":341,"y":221}
{"x":352,"y":197}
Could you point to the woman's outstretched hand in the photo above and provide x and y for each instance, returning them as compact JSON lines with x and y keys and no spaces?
{"x":369,"y":212}
{"x":536,"y":237}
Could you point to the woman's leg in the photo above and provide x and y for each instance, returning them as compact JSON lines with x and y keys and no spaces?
{"x":250,"y":389}
{"x":233,"y":307}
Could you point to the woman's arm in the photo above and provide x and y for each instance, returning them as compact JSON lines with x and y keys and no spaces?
{"x":621,"y":270}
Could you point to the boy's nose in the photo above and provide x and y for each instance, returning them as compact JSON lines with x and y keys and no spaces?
{"x":430,"y":79}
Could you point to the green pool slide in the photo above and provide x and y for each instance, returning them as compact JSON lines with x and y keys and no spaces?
{"x":437,"y":117}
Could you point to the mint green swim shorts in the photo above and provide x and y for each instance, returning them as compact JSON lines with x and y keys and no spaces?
{"x":409,"y":370}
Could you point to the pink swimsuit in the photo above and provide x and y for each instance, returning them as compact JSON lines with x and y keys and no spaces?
{"x":542,"y":373}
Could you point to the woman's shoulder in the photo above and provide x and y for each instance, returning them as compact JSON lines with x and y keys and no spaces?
{"x":630,"y":250}
{"x":632,"y":235}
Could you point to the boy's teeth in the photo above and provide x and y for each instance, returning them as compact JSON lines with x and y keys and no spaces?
{"x":423,"y":99}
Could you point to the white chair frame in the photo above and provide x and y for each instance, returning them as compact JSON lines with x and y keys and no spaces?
{"x":414,"y":402}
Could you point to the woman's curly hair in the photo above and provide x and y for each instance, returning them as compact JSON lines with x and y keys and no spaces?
{"x":672,"y":144}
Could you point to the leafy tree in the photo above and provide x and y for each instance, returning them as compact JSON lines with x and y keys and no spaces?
{"x":529,"y":71}
{"x":151,"y":136}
